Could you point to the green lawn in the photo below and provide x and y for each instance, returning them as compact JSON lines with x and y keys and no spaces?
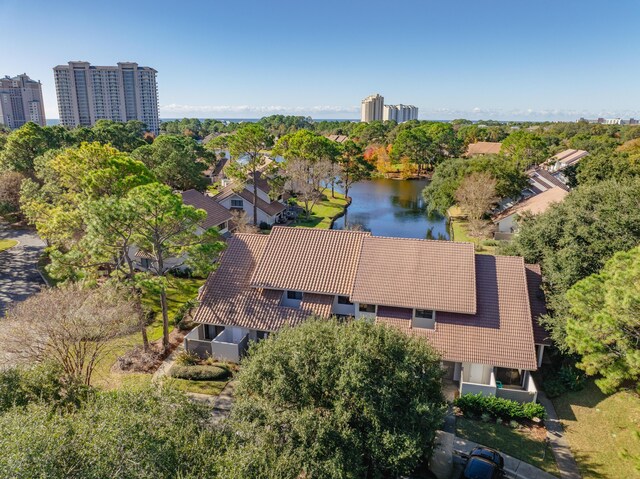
{"x":458,"y":229}
{"x":212,"y":388}
{"x":598,"y":428}
{"x":323,"y":212}
{"x":180,"y":291}
{"x":7,"y":243}
{"x":518,"y":443}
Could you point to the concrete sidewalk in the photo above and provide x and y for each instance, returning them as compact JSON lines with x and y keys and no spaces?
{"x":443,"y":461}
{"x":559,"y":444}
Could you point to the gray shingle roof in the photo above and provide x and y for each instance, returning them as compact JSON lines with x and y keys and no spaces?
{"x":216,"y":213}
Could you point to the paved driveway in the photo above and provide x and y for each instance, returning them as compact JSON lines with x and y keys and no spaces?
{"x":19,"y":277}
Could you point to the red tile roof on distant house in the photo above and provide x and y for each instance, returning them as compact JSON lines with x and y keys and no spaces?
{"x":483,"y":148}
{"x":216,"y":213}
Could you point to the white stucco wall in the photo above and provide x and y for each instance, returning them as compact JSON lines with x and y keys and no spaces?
{"x":247,"y":206}
{"x":363,"y":315}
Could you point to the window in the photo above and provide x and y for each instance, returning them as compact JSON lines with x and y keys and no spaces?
{"x":344,"y":300}
{"x":262,"y":335}
{"x":237,"y":203}
{"x":297,"y":295}
{"x":145,"y":263}
{"x":425,"y":313}
{"x":367,"y":308}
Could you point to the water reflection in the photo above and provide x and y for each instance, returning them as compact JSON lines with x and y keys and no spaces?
{"x":393,"y":208}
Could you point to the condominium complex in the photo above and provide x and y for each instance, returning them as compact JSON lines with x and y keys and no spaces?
{"x":371,"y":109}
{"x":400,"y":113}
{"x":374,"y":109}
{"x":123,"y":92}
{"x":21,"y":101}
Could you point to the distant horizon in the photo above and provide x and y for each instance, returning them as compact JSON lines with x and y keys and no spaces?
{"x":56,"y":121}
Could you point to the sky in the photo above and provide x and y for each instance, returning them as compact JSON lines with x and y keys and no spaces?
{"x":479,"y":59}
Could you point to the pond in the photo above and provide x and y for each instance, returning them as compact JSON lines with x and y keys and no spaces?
{"x":392,"y":208}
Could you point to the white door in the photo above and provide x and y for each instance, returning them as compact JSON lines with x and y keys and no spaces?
{"x":476,"y":373}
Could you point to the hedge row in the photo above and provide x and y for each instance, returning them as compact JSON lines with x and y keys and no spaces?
{"x":478,"y":404}
{"x":199,"y":373}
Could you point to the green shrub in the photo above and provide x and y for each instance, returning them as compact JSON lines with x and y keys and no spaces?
{"x":187,"y":358}
{"x":479,"y":405}
{"x":554,"y":387}
{"x":40,"y":383}
{"x":199,"y":373}
{"x":490,"y":242}
{"x":567,"y":378}
{"x":572,"y":378}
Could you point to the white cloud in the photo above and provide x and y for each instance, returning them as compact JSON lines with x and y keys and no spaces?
{"x":256,"y":110}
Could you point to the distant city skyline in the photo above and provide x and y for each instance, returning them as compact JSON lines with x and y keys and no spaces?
{"x":501,"y":60}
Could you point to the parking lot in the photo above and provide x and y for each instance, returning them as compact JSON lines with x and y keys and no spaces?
{"x":19,"y":276}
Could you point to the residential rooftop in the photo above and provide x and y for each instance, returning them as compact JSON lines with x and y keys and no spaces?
{"x":216,"y":213}
{"x":535,"y":204}
{"x":483,"y":148}
{"x":484,"y":312}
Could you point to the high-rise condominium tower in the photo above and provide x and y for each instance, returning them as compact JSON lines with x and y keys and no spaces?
{"x":400,"y":113}
{"x":89,"y":93}
{"x":372,"y":107}
{"x":21,"y":101}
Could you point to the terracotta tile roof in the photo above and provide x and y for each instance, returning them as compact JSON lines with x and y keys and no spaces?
{"x":216,"y":213}
{"x":535,"y":204}
{"x":499,"y":334}
{"x":323,"y":263}
{"x":537,"y":302}
{"x":320,"y":304}
{"x":483,"y":148}
{"x":227,"y":298}
{"x":310,"y":260}
{"x":412,"y":273}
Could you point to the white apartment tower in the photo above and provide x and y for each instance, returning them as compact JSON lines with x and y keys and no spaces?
{"x":21,"y":101}
{"x":400,"y":113}
{"x":371,"y":109}
{"x":123,"y":92}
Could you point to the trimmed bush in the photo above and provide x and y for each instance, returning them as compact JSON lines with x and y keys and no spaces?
{"x":479,"y":405}
{"x":199,"y":373}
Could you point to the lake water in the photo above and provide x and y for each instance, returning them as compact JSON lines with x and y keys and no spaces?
{"x":392,"y":208}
